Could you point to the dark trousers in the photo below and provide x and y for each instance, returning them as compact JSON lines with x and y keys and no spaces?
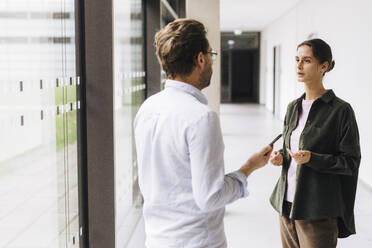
{"x":307,"y":233}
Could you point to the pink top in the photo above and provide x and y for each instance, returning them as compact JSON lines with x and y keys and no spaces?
{"x":294,"y":144}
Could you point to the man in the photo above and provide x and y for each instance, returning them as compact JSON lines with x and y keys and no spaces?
{"x":180,"y":148}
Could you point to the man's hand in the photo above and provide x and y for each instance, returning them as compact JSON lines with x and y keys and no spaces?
{"x":256,"y":161}
{"x":301,"y":157}
{"x":276,"y":159}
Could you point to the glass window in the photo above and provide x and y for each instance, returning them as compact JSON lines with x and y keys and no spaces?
{"x":129,"y":76}
{"x":38,"y":105}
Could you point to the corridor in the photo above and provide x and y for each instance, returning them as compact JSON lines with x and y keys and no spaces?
{"x":71,"y":85}
{"x":252,"y":222}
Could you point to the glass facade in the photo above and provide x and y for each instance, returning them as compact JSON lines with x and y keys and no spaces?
{"x":38,"y":130}
{"x":39,"y":105}
{"x":167,"y":15}
{"x":129,"y":93}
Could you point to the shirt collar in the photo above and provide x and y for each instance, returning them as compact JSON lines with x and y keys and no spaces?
{"x":326,"y":97}
{"x":187,"y":88}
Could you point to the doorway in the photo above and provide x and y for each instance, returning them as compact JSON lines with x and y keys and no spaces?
{"x":276,"y":81}
{"x":240,"y":67}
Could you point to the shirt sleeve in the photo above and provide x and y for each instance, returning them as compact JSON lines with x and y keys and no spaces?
{"x":212,"y":189}
{"x":347,"y":159}
{"x":242,"y":179}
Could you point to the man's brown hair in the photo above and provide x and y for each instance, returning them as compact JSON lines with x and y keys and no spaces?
{"x":178,"y":45}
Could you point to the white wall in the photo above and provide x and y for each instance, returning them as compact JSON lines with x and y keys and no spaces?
{"x":347,"y":27}
{"x":208,"y":12}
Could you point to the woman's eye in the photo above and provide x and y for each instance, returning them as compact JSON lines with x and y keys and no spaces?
{"x":308,"y":61}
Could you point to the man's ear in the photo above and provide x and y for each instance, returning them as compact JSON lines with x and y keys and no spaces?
{"x":200,"y":60}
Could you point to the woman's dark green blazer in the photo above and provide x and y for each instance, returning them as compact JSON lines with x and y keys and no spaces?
{"x":326,"y":185}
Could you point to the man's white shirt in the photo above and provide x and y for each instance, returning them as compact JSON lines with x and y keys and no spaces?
{"x":181,"y":170}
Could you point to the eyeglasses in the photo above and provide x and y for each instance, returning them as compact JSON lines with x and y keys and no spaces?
{"x":213,"y":54}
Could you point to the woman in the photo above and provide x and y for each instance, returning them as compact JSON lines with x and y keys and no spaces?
{"x":320,"y":158}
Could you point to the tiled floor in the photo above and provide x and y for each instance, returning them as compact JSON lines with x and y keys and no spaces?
{"x":252,"y":222}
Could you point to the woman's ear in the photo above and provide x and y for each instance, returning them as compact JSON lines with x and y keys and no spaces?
{"x":325,"y":66}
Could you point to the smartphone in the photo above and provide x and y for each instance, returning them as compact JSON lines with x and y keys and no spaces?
{"x":272,"y":142}
{"x":275,"y":140}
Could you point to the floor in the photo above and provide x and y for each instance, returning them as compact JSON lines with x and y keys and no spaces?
{"x":36,"y":210}
{"x":252,"y":222}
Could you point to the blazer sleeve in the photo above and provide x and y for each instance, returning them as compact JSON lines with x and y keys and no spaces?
{"x":347,"y":160}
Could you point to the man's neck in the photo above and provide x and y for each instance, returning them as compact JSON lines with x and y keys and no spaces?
{"x":188,"y":80}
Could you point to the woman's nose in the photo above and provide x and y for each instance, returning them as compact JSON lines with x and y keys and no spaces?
{"x":299,"y":65}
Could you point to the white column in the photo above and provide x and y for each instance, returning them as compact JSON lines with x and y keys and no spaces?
{"x":208,"y":12}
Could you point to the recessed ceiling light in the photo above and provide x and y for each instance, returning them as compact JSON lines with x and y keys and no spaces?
{"x":238,"y":32}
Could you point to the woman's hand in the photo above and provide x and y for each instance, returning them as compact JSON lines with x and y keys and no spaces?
{"x":301,"y":157}
{"x":276,"y":158}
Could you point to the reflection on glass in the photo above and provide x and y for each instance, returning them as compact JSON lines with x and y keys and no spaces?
{"x":129,"y":94}
{"x":38,"y":155}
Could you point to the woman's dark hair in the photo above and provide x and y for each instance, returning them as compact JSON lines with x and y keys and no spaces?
{"x":321,"y":50}
{"x":178,"y":44}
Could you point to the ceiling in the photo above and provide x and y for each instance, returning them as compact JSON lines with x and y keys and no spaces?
{"x":252,"y":15}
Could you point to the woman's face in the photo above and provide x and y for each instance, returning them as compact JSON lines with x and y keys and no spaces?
{"x":307,"y":66}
